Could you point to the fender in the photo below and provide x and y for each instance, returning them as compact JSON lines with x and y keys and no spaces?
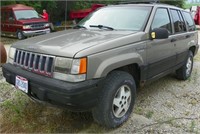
{"x":116,"y":62}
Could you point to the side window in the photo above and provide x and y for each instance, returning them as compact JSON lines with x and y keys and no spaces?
{"x":11,"y":16}
{"x":189,"y":21}
{"x":179,"y":24}
{"x":161,"y":20}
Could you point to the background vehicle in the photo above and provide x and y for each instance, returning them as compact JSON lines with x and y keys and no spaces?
{"x":99,"y":65}
{"x":22,"y":21}
{"x":80,"y":14}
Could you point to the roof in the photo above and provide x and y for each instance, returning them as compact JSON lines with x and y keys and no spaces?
{"x":17,"y":7}
{"x":147,"y":5}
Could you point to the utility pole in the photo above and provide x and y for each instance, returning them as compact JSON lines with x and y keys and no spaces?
{"x":65,"y":14}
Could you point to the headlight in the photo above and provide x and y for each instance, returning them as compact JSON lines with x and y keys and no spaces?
{"x":46,"y":25}
{"x":70,"y":70}
{"x":63,"y":65}
{"x":11,"y":55}
{"x":26,"y":27}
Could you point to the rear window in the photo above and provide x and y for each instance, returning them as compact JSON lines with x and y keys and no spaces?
{"x":189,"y":21}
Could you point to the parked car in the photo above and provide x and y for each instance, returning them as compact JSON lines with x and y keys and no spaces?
{"x":22,"y":21}
{"x":3,"y":56}
{"x":99,"y":65}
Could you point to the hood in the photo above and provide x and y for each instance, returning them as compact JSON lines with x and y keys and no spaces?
{"x":69,"y":42}
{"x":28,"y":21}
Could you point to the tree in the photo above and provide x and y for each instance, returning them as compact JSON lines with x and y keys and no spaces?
{"x":178,"y":3}
{"x":82,"y":4}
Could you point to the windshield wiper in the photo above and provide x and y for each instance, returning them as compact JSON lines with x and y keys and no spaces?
{"x":33,"y":18}
{"x":102,"y":26}
{"x":22,"y":18}
{"x":79,"y":26}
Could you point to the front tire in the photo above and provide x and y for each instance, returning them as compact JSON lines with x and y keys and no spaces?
{"x":185,"y":71}
{"x":20,"y":35}
{"x":116,"y":100}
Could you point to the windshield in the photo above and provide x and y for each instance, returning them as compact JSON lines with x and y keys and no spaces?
{"x":118,"y":18}
{"x":26,"y":14}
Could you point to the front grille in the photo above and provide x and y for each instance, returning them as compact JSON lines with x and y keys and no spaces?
{"x":38,"y":63}
{"x":37,"y":26}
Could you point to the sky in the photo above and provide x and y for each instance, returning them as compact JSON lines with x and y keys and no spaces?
{"x":195,"y":1}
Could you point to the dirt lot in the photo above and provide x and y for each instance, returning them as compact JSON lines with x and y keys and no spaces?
{"x":165,"y":106}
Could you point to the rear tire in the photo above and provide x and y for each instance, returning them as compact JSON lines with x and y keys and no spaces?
{"x":185,"y":71}
{"x":20,"y":35}
{"x":116,"y":100}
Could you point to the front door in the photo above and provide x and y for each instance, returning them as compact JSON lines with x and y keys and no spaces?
{"x":160,"y":56}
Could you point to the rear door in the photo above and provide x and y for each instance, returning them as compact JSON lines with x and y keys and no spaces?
{"x":11,"y":22}
{"x":160,"y":56}
{"x":180,"y":37}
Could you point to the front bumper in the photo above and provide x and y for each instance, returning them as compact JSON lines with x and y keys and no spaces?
{"x":36,"y":32}
{"x":76,"y":96}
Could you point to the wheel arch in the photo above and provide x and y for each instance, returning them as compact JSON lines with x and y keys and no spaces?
{"x":133,"y":69}
{"x":193,"y":49}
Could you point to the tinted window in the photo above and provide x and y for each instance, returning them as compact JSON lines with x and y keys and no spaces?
{"x":11,"y":16}
{"x":119,"y":18}
{"x":161,"y":20}
{"x":189,"y":21}
{"x":179,"y":24}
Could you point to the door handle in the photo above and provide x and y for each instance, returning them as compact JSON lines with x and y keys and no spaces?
{"x":187,"y":36}
{"x":173,"y":40}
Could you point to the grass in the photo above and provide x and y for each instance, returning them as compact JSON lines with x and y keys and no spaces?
{"x":192,"y":127}
{"x":149,"y":114}
{"x":21,"y":115}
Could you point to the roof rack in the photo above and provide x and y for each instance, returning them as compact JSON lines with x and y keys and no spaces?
{"x":139,"y":1}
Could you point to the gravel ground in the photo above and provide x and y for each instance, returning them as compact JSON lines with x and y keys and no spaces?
{"x":165,"y":106}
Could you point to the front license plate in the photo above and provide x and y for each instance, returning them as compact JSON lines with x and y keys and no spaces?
{"x":21,"y":83}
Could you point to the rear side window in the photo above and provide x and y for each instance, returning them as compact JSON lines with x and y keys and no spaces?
{"x":161,"y":20}
{"x":11,"y":16}
{"x":189,"y":21}
{"x":179,"y":24}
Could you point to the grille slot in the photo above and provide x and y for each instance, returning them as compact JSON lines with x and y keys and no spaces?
{"x":38,"y":63}
{"x":37,"y":26}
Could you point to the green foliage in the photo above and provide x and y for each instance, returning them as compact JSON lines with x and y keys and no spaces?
{"x":187,"y":6}
{"x":178,"y":3}
{"x":82,"y":4}
{"x":149,"y":114}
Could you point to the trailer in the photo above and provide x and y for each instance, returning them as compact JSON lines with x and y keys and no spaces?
{"x":80,"y":14}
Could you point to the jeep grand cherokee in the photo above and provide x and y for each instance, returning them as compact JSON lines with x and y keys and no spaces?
{"x":98,"y":65}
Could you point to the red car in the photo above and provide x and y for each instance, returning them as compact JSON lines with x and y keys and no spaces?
{"x":22,"y":21}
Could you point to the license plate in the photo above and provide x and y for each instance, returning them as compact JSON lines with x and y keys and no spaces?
{"x":21,"y":83}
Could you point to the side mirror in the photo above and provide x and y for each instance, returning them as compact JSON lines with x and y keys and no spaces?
{"x":159,"y":33}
